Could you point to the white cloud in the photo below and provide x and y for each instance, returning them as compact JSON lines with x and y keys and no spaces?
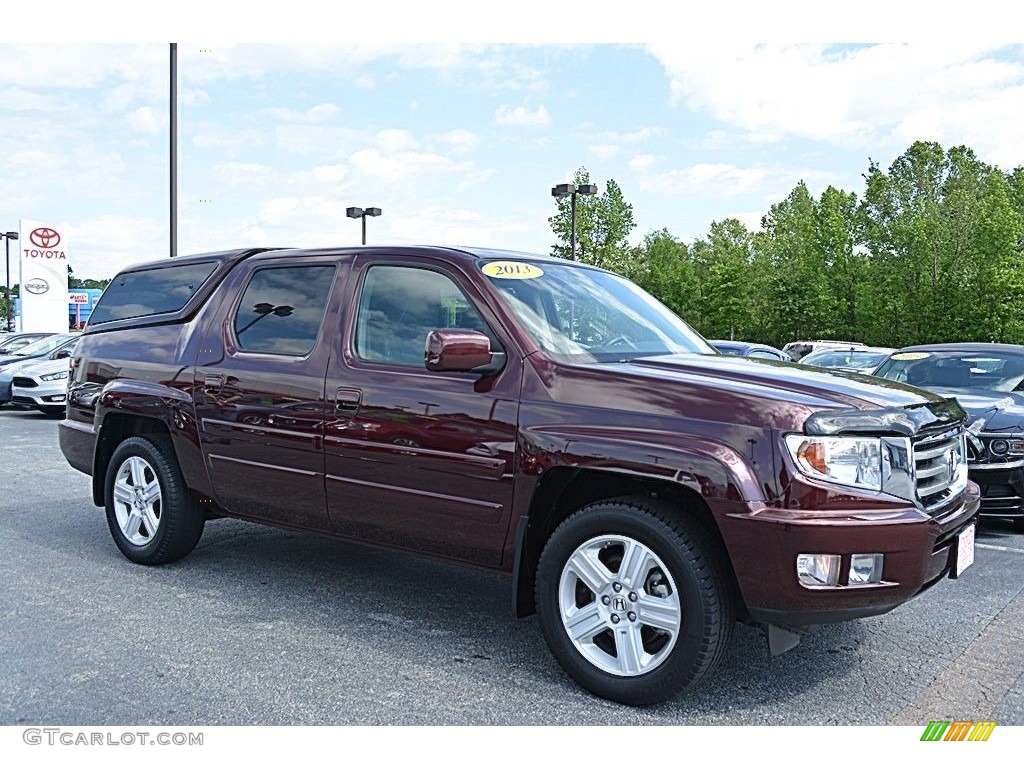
{"x":851,"y":96}
{"x":725,"y":180}
{"x":398,"y":166}
{"x":330,"y":174}
{"x":460,"y":140}
{"x":641,"y":162}
{"x":477,"y":178}
{"x":603,"y":151}
{"x":145,"y":120}
{"x":396,"y":140}
{"x":321,"y":113}
{"x":365,"y":82}
{"x":454,"y":226}
{"x":241,"y":173}
{"x":35,"y":161}
{"x":19,"y":99}
{"x":100,"y":246}
{"x":521,"y":116}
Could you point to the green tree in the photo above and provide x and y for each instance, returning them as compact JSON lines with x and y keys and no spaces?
{"x":722,"y":263}
{"x":939,"y":227}
{"x":795,"y":299}
{"x":662,"y":266}
{"x":603,"y":224}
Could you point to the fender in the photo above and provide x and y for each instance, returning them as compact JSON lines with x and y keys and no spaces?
{"x":707,"y":467}
{"x":170,"y":406}
{"x":710,"y":467}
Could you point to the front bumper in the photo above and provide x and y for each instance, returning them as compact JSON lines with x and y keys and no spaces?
{"x":919,"y":549}
{"x":44,"y":394}
{"x":1002,"y":489}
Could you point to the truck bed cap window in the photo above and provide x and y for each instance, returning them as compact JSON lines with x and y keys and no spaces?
{"x":150,"y":291}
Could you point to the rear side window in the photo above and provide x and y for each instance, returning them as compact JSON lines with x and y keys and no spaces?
{"x":282,"y":309}
{"x":150,"y":291}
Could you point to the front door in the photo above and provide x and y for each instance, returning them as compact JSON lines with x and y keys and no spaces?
{"x":416,"y":459}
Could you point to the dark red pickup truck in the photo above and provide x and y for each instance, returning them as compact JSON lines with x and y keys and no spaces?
{"x":526,"y":415}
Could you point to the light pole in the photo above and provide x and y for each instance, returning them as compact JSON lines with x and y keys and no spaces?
{"x":362,"y":213}
{"x":570,"y":191}
{"x":8,"y":236}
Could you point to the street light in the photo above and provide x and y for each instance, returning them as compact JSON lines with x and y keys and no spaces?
{"x":570,"y":191}
{"x":362,"y":213}
{"x":8,"y":236}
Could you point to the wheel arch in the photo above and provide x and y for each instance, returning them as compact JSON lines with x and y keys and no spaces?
{"x":564,"y":490}
{"x":115,"y":428}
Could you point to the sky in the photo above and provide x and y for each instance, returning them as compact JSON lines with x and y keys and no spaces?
{"x":459,"y":141}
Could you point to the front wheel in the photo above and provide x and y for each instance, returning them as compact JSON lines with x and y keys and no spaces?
{"x":149,"y":510}
{"x":634,"y":600}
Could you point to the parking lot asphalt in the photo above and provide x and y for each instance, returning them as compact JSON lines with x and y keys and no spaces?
{"x":264,"y":627}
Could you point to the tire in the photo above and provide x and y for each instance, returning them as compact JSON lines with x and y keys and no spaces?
{"x":678,"y":585}
{"x":149,"y":510}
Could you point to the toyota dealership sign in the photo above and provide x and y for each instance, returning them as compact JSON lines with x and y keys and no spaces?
{"x":44,"y":277}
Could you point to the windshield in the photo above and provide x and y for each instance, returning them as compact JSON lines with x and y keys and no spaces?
{"x":581,"y":315}
{"x":956,"y":370}
{"x":838,"y":358}
{"x":43,"y":346}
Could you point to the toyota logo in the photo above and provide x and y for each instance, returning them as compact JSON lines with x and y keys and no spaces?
{"x":44,"y":237}
{"x":37,"y":286}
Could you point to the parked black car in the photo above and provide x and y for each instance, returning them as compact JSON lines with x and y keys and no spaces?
{"x":749,"y":349}
{"x":988,"y":382}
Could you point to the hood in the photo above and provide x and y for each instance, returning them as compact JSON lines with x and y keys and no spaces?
{"x":998,"y":411}
{"x":42,"y":367}
{"x":755,"y":392}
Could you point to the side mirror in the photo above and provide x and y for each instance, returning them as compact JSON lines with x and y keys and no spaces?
{"x":459,"y":350}
{"x":61,"y":354}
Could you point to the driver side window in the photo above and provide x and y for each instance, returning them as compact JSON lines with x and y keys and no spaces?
{"x":399,"y":306}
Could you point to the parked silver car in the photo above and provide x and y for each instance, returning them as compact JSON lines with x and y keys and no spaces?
{"x":41,"y":383}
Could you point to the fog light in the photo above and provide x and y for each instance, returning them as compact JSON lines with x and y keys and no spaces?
{"x":817,"y":570}
{"x":866,"y":569}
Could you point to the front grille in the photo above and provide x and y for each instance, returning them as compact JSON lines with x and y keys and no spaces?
{"x":21,"y":381}
{"x":937,"y":460}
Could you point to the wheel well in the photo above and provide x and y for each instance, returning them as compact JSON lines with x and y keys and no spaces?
{"x":563,"y":490}
{"x":116,"y":427}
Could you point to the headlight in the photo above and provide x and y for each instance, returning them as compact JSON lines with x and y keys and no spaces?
{"x":54,"y":376}
{"x":853,"y":461}
{"x":1006,"y":447}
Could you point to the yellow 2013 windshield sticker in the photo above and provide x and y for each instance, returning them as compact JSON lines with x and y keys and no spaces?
{"x":512,"y":270}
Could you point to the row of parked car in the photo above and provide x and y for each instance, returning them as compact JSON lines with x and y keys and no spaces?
{"x":34,"y":369}
{"x":987,"y":380}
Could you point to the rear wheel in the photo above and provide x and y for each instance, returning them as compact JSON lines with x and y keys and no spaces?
{"x":149,"y":510}
{"x":634,"y":600}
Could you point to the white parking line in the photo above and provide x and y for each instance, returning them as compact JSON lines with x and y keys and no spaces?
{"x":1001,"y":549}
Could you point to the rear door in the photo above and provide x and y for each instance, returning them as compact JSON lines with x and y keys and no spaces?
{"x":259,"y":389}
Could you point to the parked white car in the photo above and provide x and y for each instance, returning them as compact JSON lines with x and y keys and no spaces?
{"x":42,"y":385}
